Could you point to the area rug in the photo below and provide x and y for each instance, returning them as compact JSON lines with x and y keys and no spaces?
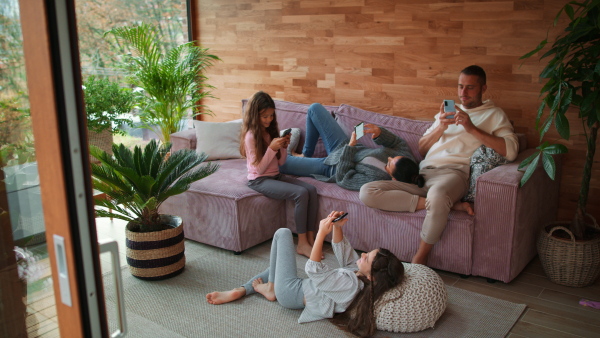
{"x":177,"y":307}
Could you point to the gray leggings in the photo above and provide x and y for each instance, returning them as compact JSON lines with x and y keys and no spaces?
{"x":282,"y":272}
{"x":304,"y":195}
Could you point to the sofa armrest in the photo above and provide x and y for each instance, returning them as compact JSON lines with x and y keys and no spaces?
{"x":508,"y":218}
{"x":185,"y":139}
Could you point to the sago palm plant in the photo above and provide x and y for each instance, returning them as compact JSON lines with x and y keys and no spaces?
{"x":137,"y":182}
{"x":173,"y":81}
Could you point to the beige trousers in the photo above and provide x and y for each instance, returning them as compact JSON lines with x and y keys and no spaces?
{"x":443,"y":187}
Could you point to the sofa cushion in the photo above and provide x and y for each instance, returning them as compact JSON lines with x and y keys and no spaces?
{"x":410,"y":130}
{"x":483,"y":160}
{"x":414,"y":305}
{"x":219,"y":140}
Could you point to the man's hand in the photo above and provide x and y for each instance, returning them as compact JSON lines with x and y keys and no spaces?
{"x":463,"y":119}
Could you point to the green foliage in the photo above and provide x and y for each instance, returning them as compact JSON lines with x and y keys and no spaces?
{"x":173,"y":80}
{"x":105,"y":102}
{"x":137,"y":182}
{"x":16,"y":139}
{"x":573,"y":73}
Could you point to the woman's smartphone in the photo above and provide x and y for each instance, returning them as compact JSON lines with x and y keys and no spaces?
{"x":359,"y":129}
{"x":449,"y":108}
{"x":340,"y":217}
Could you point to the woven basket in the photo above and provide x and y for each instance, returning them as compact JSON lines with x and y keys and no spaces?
{"x":158,"y":254}
{"x":102,"y":140}
{"x":568,"y":262}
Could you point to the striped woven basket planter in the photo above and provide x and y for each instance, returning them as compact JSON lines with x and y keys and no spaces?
{"x":158,"y":254}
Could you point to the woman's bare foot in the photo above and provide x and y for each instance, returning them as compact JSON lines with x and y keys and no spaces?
{"x":221,"y":297}
{"x":265,"y":289}
{"x":297,"y":154}
{"x":464,"y":206}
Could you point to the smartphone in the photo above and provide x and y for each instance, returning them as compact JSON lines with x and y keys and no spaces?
{"x":359,"y":129}
{"x":286,"y":132}
{"x":341,"y":217}
{"x":449,"y":108}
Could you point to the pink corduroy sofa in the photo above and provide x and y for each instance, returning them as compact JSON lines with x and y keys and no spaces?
{"x":497,"y":243}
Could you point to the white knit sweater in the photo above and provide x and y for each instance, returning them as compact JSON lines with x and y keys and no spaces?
{"x":455,"y":147}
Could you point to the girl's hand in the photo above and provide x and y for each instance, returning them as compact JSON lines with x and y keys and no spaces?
{"x":278,"y":143}
{"x":372,"y":129}
{"x":326,"y":224}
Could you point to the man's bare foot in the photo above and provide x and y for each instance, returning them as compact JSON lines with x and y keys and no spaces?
{"x":304,"y":249}
{"x":221,"y":297}
{"x":464,"y":206}
{"x":297,"y":154}
{"x":265,"y":289}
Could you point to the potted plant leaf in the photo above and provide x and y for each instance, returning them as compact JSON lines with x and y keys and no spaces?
{"x":570,"y":252}
{"x":136,"y":183}
{"x":173,"y":80}
{"x":106,"y":104}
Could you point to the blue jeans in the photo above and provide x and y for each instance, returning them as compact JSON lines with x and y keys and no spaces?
{"x":319,"y":123}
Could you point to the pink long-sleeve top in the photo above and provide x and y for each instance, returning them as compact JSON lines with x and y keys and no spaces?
{"x":269,"y":165}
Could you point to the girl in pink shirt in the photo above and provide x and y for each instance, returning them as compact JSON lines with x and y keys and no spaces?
{"x":265,"y":151}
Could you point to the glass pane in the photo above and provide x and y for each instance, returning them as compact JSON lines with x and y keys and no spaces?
{"x":27,"y":277}
{"x":102,"y":61}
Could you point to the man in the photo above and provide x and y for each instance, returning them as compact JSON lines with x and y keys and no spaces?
{"x":447,"y":146}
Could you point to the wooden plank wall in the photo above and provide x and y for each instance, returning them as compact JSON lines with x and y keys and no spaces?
{"x":393,"y":57}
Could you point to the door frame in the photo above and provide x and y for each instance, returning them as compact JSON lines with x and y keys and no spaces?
{"x":54,"y":81}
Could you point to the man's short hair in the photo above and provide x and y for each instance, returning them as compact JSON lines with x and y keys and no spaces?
{"x":477,"y":71}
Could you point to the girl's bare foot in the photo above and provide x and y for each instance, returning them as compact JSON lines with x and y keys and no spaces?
{"x":221,"y":297}
{"x":464,"y":206}
{"x":265,"y":289}
{"x":304,"y":249}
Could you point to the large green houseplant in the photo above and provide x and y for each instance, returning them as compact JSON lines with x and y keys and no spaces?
{"x":136,"y":183}
{"x":106,"y":106}
{"x":173,"y":80}
{"x":573,"y":83}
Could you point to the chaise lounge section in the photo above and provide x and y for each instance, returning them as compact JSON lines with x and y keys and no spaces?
{"x":497,"y":243}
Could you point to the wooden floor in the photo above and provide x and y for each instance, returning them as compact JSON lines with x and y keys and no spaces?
{"x":552,"y":310}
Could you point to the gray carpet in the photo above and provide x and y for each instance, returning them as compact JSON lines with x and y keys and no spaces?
{"x":177,"y":307}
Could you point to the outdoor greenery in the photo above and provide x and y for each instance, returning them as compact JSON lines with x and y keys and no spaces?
{"x":573,"y":73}
{"x":106,"y":102}
{"x":137,"y":182}
{"x":172,"y":79}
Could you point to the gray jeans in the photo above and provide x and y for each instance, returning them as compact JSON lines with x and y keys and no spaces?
{"x":304,"y":195}
{"x":282,"y":272}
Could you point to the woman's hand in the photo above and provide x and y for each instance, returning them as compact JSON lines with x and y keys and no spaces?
{"x":352,"y":142}
{"x":372,"y":129}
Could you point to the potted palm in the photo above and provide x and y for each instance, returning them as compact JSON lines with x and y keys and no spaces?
{"x":172,"y":80}
{"x":136,"y":183}
{"x":570,"y":252}
{"x":106,"y":104}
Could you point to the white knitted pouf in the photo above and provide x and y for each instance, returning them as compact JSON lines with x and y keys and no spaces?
{"x":414,"y":305}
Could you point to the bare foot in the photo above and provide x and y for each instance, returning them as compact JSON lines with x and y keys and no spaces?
{"x":297,"y":154}
{"x":221,"y":297}
{"x":265,"y":289}
{"x":464,"y":206}
{"x":304,"y":249}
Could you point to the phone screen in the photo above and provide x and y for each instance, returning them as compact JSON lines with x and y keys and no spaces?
{"x":359,"y":129}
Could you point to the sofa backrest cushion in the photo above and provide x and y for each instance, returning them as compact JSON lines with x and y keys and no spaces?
{"x":410,"y":130}
{"x":293,"y":115}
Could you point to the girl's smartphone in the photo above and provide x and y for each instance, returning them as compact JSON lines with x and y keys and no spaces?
{"x":340,"y":217}
{"x":285,"y":132}
{"x":359,"y":129}
{"x":449,"y":108}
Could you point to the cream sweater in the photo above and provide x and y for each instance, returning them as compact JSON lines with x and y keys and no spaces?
{"x":455,"y":148}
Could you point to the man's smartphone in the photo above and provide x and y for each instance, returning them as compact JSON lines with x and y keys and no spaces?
{"x":449,"y":108}
{"x":340,"y":217}
{"x":359,"y":129}
{"x":286,"y":132}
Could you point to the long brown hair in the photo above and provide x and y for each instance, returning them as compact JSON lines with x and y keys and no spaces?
{"x":387,"y":271}
{"x":255,"y":106}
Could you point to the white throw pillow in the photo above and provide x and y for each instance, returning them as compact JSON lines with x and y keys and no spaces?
{"x":219,"y":140}
{"x":294,"y":139}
